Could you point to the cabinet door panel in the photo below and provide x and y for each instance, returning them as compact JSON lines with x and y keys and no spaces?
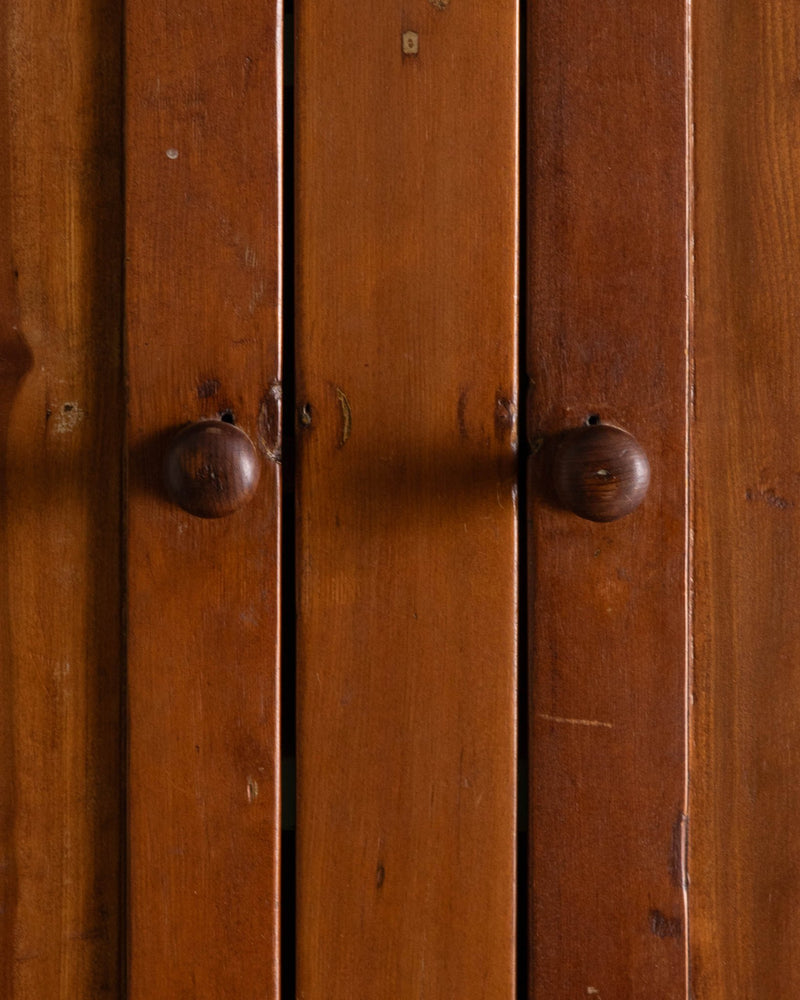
{"x":203,"y":280}
{"x":607,"y":340}
{"x":406,"y":391}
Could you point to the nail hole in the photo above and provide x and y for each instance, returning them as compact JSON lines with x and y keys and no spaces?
{"x":593,"y":419}
{"x":227,"y":417}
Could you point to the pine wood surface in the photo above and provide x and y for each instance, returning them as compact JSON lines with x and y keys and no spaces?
{"x":60,"y":462}
{"x":745,"y":752}
{"x":406,"y":199}
{"x":607,"y":340}
{"x":203,"y":281}
{"x":406,"y":544}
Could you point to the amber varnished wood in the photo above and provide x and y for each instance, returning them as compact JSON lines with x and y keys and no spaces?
{"x":745,"y":753}
{"x":202,"y":281}
{"x":60,"y":474}
{"x":406,"y":389}
{"x":607,"y":338}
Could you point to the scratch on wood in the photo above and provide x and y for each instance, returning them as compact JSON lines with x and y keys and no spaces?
{"x":347,"y":416}
{"x":461,"y":410}
{"x":256,"y":296}
{"x":678,"y":860}
{"x":575,"y":722}
{"x":505,"y":420}
{"x":269,"y":422}
{"x":252,"y":790}
{"x":439,"y":4}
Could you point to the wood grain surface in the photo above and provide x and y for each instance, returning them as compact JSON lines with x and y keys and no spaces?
{"x":60,"y":468}
{"x":406,"y":391}
{"x":745,"y":753}
{"x":607,"y":337}
{"x":203,"y":283}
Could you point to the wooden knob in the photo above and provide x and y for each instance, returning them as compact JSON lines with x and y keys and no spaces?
{"x":211,"y":468}
{"x":600,"y":472}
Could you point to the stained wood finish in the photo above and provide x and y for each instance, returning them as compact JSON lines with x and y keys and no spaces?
{"x":745,"y":741}
{"x":203,"y":279}
{"x":406,"y":390}
{"x":607,"y":341}
{"x":60,"y":435}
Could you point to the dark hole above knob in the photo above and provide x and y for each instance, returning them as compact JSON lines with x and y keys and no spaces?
{"x":600,"y":472}
{"x":211,"y":468}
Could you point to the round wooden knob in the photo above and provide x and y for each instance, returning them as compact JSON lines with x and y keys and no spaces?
{"x":600,"y":472}
{"x":211,"y":468}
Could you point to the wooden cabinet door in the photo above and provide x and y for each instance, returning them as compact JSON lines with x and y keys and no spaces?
{"x":663,"y":276}
{"x":140,"y":740}
{"x":574,"y":779}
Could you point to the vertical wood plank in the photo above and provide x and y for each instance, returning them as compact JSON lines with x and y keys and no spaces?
{"x":203,"y":283}
{"x":746,"y":459}
{"x":406,"y":389}
{"x":60,"y":462}
{"x":607,"y":340}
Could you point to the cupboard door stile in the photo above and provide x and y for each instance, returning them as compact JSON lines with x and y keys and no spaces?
{"x":203,"y":299}
{"x":607,"y":343}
